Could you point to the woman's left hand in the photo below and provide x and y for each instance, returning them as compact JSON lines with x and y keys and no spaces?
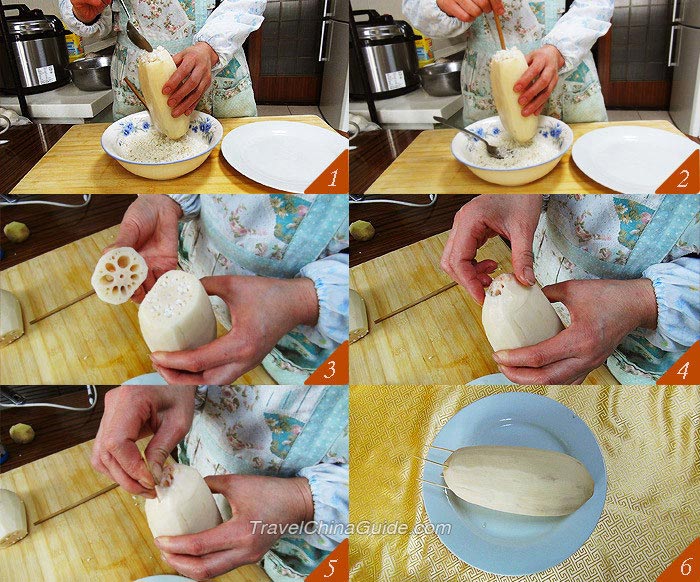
{"x":538,"y":82}
{"x":262,"y":507}
{"x":602,"y":313}
{"x":191,"y":79}
{"x":262,"y":310}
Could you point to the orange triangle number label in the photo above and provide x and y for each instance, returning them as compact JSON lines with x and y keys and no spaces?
{"x":335,"y":370}
{"x":686,"y":370}
{"x":685,"y":568}
{"x":686,"y":178}
{"x":334,"y":568}
{"x":335,"y":179}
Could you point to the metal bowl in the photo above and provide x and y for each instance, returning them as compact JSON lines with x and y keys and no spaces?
{"x":91,"y":73}
{"x":441,"y":79}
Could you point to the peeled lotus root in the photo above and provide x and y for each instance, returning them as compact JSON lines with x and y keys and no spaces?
{"x":118,"y":274}
{"x":361,"y":230}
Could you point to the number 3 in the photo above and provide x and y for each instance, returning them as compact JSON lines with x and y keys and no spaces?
{"x":332,"y":370}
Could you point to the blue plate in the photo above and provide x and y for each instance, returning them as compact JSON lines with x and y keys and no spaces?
{"x":505,"y":543}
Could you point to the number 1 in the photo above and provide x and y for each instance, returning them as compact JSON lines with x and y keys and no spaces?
{"x":335,"y":175}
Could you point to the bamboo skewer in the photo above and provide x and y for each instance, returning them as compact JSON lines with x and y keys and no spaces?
{"x":135,"y":91}
{"x":62,"y":307}
{"x":432,"y":483}
{"x":441,"y":448}
{"x":416,"y":302}
{"x":500,"y":30}
{"x":73,"y":505}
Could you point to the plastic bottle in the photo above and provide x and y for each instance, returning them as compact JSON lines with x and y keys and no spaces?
{"x":74,"y":43}
{"x":424,"y":49}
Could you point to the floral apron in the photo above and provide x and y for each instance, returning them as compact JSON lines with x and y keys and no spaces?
{"x":577,"y":96}
{"x":173,"y":25}
{"x":295,"y":357}
{"x":635,"y":360}
{"x":216,"y":445}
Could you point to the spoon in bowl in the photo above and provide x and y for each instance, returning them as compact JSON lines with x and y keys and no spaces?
{"x":493,"y":151}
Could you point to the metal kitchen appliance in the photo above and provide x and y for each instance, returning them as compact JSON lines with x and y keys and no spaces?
{"x":38,"y":42}
{"x":389,"y":55}
{"x":684,"y":56}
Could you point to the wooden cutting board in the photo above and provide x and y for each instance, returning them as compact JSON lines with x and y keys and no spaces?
{"x":77,"y":164}
{"x":427,"y":165}
{"x":105,"y":539}
{"x":439,"y":340}
{"x":87,"y":342}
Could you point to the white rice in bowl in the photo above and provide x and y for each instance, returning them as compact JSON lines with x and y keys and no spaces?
{"x":154,"y":147}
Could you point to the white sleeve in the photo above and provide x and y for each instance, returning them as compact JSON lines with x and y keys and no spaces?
{"x":576,"y":32}
{"x":426,"y":16}
{"x":228,"y":27}
{"x":100,"y":29}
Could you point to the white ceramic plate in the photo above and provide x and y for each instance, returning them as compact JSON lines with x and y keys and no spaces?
{"x":285,"y":155}
{"x":152,"y":379}
{"x":504,"y":543}
{"x":491,"y":380}
{"x":165,"y":578}
{"x":631,"y":159}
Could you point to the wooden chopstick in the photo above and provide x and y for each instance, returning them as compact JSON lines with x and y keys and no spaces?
{"x":414,"y":303}
{"x":61,"y":307}
{"x":73,"y":505}
{"x":500,"y":30}
{"x":135,"y":91}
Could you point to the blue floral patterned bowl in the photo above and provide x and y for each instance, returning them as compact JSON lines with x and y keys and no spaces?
{"x":125,"y":138}
{"x":551,"y":142}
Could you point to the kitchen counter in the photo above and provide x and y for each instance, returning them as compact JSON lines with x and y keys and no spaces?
{"x":67,"y":104}
{"x":415,"y":110}
{"x":388,"y":162}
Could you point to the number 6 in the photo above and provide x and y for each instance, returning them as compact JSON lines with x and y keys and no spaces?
{"x":686,"y":568}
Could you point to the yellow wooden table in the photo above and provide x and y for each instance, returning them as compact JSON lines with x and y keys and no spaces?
{"x":427,"y":165}
{"x":105,"y":539}
{"x":440,"y":339}
{"x":650,"y":441}
{"x":87,"y":342}
{"x":77,"y":164}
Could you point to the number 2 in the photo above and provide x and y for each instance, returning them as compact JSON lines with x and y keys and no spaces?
{"x":332,"y":370}
{"x":335,"y":175}
{"x":684,"y":182}
{"x":330,"y":563}
{"x":683,"y":371}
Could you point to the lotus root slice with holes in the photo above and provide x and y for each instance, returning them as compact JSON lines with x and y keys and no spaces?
{"x":118,"y":274}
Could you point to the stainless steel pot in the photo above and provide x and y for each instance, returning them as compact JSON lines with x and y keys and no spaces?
{"x":441,"y":79}
{"x":91,"y":73}
{"x":39,"y":45}
{"x":389,"y":55}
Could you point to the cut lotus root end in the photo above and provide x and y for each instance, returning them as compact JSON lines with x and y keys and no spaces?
{"x":118,"y":274}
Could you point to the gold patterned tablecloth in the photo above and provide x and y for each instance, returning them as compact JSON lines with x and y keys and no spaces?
{"x":650,"y":439}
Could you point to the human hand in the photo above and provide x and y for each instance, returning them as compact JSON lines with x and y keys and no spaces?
{"x":262,"y":311}
{"x":150,"y":227}
{"x":191,"y":79}
{"x":131,"y":413}
{"x":539,"y":80}
{"x":603,"y":311}
{"x":514,"y":217}
{"x":470,"y":10}
{"x":88,"y":10}
{"x":257,"y":503}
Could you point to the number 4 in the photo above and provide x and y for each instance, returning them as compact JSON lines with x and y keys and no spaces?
{"x":683,"y":371}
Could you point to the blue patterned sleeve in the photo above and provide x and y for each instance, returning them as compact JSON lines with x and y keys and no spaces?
{"x":229,"y":25}
{"x":190,"y":204}
{"x":677,"y":289}
{"x":100,"y":29}
{"x":329,"y":489}
{"x":331,"y":276}
{"x":426,"y":16}
{"x":576,"y":31}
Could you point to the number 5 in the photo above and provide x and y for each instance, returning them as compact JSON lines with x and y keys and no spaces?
{"x":330,"y":563}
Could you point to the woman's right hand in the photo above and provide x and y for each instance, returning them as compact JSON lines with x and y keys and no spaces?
{"x":470,"y":10}
{"x":150,"y":227}
{"x":513,"y":216}
{"x":131,"y":413}
{"x":88,"y":10}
